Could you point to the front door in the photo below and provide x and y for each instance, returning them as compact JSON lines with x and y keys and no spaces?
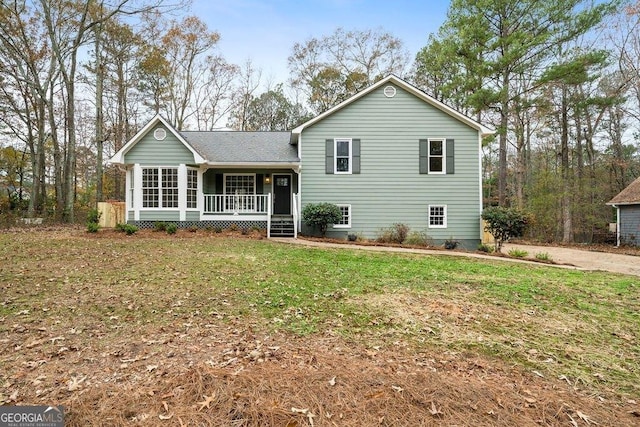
{"x":282,"y":194}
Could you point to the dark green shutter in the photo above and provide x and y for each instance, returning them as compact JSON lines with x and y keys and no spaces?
{"x":219,"y":183}
{"x":355,"y":155}
{"x":423,"y":155}
{"x":329,"y":156}
{"x":450,"y":157}
{"x":259,"y":183}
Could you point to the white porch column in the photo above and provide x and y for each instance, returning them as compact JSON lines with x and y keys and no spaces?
{"x":201,"y":172}
{"x":137,"y":191}
{"x":182,"y":191}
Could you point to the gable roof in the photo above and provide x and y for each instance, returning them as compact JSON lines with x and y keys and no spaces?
{"x":243,"y":147}
{"x":119,"y":156}
{"x":224,"y":147}
{"x":628,"y":196}
{"x":484,"y":131}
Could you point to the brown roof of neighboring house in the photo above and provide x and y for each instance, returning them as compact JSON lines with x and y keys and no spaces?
{"x":628,"y":196}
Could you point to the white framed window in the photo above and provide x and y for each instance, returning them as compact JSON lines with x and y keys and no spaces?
{"x":150,"y":188}
{"x":343,"y":155}
{"x":169,"y":187}
{"x":345,"y":222}
{"x":160,"y":187}
{"x":240,"y":190}
{"x":192,"y":188}
{"x":239,"y":184}
{"x":437,"y":216}
{"x":437,"y":156}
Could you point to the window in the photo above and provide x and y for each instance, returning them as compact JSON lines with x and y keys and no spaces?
{"x":240,"y":190}
{"x":343,"y":156}
{"x":192,"y":189}
{"x":436,"y":156}
{"x":240,"y":184}
{"x":437,"y":216}
{"x":159,"y":187}
{"x":150,"y":188}
{"x":170,"y":188}
{"x":345,"y":222}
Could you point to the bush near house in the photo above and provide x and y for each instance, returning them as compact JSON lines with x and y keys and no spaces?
{"x":321,"y":215}
{"x":504,"y":223}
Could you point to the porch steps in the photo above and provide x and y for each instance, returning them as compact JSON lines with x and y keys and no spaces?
{"x":282,"y":226}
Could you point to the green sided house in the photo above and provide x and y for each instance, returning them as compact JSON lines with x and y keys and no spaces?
{"x":389,"y":154}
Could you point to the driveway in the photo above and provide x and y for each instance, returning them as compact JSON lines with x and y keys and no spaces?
{"x":564,"y":257}
{"x":587,"y":260}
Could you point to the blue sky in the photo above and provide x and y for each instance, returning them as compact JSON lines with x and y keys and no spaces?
{"x":265,"y":31}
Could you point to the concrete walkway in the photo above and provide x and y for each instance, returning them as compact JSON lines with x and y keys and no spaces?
{"x":563,"y":257}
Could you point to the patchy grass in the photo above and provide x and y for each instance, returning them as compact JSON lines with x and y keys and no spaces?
{"x":82,"y":316}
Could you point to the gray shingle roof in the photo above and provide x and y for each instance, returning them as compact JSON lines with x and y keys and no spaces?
{"x":628,"y":196}
{"x":243,"y":147}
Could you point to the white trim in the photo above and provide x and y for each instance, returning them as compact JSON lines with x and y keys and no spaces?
{"x":182,"y":191}
{"x":444,"y":156}
{"x":349,"y":214}
{"x":617,"y":225}
{"x":224,"y":181}
{"x":264,"y":165}
{"x":480,"y":186}
{"x":236,"y":218}
{"x":118,"y":158}
{"x":484,"y":131}
{"x":137,"y":191}
{"x":444,"y":225}
{"x":160,"y":134}
{"x":201,"y":171}
{"x":335,"y":156}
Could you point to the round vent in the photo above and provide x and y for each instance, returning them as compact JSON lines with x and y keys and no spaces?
{"x":389,"y":91}
{"x":159,"y":134}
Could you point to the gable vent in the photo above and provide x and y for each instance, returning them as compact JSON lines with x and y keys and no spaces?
{"x":389,"y":91}
{"x":159,"y":134}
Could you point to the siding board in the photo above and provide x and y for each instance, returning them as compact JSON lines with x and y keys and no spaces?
{"x":168,"y":152}
{"x":390,"y":188}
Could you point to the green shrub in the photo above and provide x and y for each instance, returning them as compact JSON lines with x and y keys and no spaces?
{"x":483,"y":247}
{"x":160,"y":226}
{"x":504,"y":223}
{"x":417,"y":238}
{"x":321,"y":215}
{"x":93,"y":227}
{"x":518,"y":253}
{"x":543,"y":256}
{"x":93,"y":216}
{"x":171,"y":228}
{"x":129,"y":229}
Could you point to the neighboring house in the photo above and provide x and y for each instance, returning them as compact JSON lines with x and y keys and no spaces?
{"x":389,"y":154}
{"x":627,"y":204}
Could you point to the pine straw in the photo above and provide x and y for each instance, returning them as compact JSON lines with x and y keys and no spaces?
{"x":293,"y":386}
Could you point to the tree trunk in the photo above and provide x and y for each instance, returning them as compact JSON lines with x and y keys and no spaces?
{"x":99,"y":115}
{"x":567,"y":226}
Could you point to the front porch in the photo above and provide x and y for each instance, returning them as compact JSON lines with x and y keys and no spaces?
{"x":215,"y":198}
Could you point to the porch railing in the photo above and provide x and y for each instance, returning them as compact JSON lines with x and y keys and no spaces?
{"x":236,"y":203}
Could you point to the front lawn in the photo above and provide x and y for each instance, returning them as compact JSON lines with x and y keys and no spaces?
{"x":81,"y":313}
